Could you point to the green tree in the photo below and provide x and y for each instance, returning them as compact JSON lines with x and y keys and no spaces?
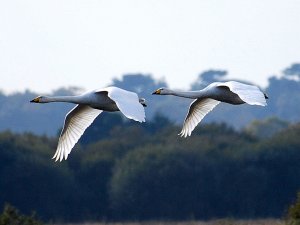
{"x":293,"y":215}
{"x":266,"y":128}
{"x":12,"y":216}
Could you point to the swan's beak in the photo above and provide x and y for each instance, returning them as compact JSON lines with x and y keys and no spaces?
{"x":35,"y":100}
{"x":157,"y":92}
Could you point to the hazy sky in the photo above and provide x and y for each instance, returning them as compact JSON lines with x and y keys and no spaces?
{"x":47,"y":44}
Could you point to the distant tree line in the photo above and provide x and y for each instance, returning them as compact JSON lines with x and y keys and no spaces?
{"x":123,"y":170}
{"x":18,"y":115}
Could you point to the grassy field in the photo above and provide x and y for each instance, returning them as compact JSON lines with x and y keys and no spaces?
{"x":213,"y":222}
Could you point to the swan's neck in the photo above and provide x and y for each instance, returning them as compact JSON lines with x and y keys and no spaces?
{"x":70,"y":99}
{"x":187,"y":94}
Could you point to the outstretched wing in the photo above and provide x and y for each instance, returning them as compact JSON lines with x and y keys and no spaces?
{"x":76,"y":121}
{"x":127,"y":102}
{"x":248,"y":93}
{"x":198,"y":109}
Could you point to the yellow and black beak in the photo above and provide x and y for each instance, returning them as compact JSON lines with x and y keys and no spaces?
{"x":157,"y":92}
{"x":36,"y":100}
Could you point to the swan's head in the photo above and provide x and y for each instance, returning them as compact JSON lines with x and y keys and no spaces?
{"x":162,"y":91}
{"x":39,"y":99}
{"x":143,"y":102}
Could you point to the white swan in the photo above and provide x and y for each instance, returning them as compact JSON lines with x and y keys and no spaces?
{"x":89,"y":106}
{"x":231,"y":92}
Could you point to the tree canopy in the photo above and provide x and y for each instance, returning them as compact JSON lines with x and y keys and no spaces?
{"x":148,"y":172}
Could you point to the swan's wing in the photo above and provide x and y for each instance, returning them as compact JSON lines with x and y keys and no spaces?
{"x":248,"y":93}
{"x":76,"y":121}
{"x":198,"y":109}
{"x":127,"y":102}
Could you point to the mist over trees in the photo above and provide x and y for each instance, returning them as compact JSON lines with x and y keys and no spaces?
{"x":18,"y":115}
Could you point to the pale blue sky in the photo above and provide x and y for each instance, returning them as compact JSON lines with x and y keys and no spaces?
{"x":53,"y":43}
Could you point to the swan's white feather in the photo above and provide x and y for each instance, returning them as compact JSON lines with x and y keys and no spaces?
{"x":127,"y":102}
{"x":248,"y":93}
{"x":76,"y":122}
{"x":198,"y":109}
{"x":88,"y":107}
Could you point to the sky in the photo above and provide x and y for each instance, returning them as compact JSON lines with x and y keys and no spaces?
{"x":48,"y":44}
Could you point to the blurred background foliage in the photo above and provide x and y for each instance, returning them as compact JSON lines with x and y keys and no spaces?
{"x":148,"y":173}
{"x":12,"y":216}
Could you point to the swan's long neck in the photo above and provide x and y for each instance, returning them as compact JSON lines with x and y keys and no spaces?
{"x":70,"y":99}
{"x":187,"y":94}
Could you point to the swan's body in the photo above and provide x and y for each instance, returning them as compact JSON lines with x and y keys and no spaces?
{"x":88,"y":107}
{"x":231,"y":92}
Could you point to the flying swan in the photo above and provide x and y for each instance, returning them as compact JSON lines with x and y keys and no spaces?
{"x":231,"y":92}
{"x":88,"y":107}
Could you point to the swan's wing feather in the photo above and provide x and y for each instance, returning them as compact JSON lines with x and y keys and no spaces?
{"x":248,"y":93}
{"x":76,"y":121}
{"x":198,"y":109}
{"x":127,"y":102}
